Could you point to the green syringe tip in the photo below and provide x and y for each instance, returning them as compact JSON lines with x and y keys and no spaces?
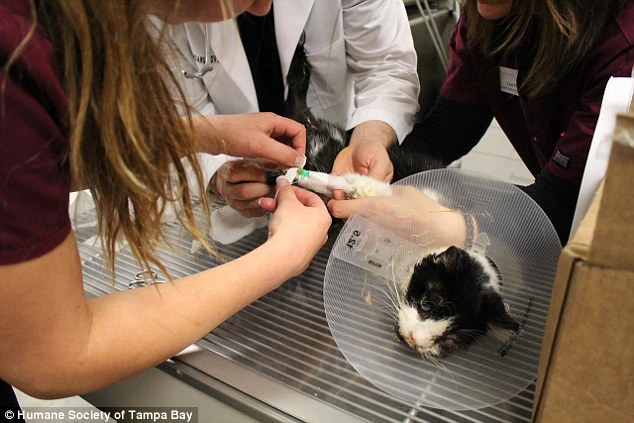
{"x":302,"y":173}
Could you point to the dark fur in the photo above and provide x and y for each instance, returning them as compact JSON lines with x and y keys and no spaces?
{"x":454,"y":284}
{"x":325,"y":140}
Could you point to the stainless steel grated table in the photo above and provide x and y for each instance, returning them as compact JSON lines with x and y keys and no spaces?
{"x":276,"y":359}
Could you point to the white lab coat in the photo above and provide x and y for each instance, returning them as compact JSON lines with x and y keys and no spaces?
{"x":362,"y":56}
{"x":361,"y":52}
{"x":363,"y":68}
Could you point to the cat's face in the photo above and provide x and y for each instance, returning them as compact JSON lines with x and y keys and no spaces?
{"x":450,"y":299}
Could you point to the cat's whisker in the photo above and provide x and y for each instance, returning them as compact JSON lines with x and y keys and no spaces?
{"x":390,"y":305}
{"x":390,"y":314}
{"x":395,"y":298}
{"x":387,"y":310}
{"x":392,"y":294}
{"x":394,"y":286}
{"x":393,"y":309}
{"x":449,"y":373}
{"x":389,"y":298}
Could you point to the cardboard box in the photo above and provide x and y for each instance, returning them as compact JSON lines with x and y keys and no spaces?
{"x":586,"y":371}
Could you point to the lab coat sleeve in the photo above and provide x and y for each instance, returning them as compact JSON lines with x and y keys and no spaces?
{"x":381,"y":56}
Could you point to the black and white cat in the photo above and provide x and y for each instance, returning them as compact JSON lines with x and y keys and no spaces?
{"x":453,"y":295}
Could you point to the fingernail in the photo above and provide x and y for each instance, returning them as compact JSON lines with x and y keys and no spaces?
{"x":281,"y":181}
{"x":300,"y":161}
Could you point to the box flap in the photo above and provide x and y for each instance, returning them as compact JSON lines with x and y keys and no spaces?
{"x":602,"y":241}
{"x":611,"y":243}
{"x":590,"y":371}
{"x":575,"y":251}
{"x":579,"y":246}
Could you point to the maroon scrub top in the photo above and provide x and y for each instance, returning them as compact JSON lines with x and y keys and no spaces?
{"x":553,"y":131}
{"x":34,"y":173}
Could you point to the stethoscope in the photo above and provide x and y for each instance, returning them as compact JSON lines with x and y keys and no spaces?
{"x":208,"y":62}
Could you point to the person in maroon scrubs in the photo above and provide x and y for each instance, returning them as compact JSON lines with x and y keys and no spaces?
{"x":87,"y":100}
{"x":540,"y":68}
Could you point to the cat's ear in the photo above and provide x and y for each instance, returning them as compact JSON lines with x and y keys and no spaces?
{"x":451,"y":259}
{"x":452,"y":253}
{"x":494,"y":309}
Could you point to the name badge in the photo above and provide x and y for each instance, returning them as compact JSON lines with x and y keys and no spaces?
{"x":508,"y":80}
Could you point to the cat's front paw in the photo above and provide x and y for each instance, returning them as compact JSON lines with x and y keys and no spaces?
{"x":365,"y":186}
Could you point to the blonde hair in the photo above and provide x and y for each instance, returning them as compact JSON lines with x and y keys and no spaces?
{"x":563,"y":31}
{"x":127,"y":134}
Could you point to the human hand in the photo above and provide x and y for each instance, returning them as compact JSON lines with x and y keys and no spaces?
{"x":256,"y":135}
{"x":367,"y":153}
{"x":368,"y":158}
{"x":298,"y":227}
{"x":411,"y":213}
{"x":241,"y":183}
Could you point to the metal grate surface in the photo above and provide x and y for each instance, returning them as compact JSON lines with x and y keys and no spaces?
{"x":284,"y":336}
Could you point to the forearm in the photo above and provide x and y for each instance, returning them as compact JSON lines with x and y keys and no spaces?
{"x":375,"y":131}
{"x":195,"y":305}
{"x":61,"y":344}
{"x":208,"y":131}
{"x":449,"y":131}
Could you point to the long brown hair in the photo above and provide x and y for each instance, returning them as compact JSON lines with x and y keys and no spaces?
{"x":564,"y":31}
{"x":127,"y":135}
